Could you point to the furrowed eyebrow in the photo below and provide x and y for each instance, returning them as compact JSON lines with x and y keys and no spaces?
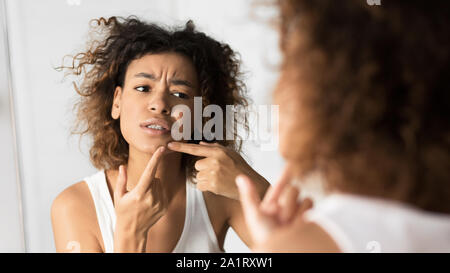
{"x":181,"y":82}
{"x":145,"y":75}
{"x":172,"y":81}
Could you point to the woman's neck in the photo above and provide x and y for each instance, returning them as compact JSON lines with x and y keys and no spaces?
{"x":169,"y":171}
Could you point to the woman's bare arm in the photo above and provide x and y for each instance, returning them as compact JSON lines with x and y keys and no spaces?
{"x":236,"y":218}
{"x":236,"y":221}
{"x":74,"y":220}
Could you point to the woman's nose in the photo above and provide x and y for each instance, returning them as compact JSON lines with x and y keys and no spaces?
{"x":159,"y":105}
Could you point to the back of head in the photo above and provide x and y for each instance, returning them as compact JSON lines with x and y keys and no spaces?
{"x":369,"y":86}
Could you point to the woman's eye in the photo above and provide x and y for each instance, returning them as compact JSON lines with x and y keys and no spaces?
{"x":180,"y":95}
{"x":144,"y":88}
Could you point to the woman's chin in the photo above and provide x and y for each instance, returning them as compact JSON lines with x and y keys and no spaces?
{"x":152,"y":147}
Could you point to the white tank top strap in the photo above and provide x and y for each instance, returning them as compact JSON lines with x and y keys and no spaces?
{"x":197,"y":236}
{"x":181,"y":244}
{"x":104,"y":208}
{"x":201,"y":208}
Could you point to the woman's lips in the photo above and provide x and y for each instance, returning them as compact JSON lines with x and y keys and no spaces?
{"x":155,"y":132}
{"x":163,"y":126}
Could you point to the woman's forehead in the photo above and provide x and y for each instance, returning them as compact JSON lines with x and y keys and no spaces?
{"x":172,"y":64}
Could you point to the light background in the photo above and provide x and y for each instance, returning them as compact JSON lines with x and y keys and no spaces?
{"x":38,"y":158}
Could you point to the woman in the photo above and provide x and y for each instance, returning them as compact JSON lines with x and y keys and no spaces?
{"x":142,"y":199}
{"x":364,"y":96}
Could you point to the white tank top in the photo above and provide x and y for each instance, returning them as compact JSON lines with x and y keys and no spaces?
{"x":197,"y":236}
{"x":363,"y":224}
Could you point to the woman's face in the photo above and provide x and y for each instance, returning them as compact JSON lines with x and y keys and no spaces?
{"x":153,"y":85}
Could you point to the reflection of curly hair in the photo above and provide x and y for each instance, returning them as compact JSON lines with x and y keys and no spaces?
{"x":371,"y":85}
{"x":103,"y":66}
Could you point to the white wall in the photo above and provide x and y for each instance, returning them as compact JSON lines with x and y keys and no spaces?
{"x":40,"y":34}
{"x":11,"y":228}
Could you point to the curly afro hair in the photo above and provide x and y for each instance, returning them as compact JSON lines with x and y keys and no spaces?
{"x":115,"y":42}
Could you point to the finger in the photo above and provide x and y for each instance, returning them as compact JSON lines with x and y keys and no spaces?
{"x":250,"y":200}
{"x":210,"y":143}
{"x":121,"y":183}
{"x":193,"y":149}
{"x":149,"y":172}
{"x":274,"y":192}
{"x":202,"y":185}
{"x":202,"y":176}
{"x":203,"y":164}
{"x":305,"y":205}
{"x":288,"y":203}
{"x":206,"y":181}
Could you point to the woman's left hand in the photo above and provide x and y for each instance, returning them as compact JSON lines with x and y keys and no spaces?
{"x":276,"y":220}
{"x":219,"y":168}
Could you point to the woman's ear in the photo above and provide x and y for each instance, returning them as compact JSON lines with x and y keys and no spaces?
{"x":115,"y":110}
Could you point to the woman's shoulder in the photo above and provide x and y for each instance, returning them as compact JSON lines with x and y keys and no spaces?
{"x":75,"y":196}
{"x":74,"y":218}
{"x":299,"y":236}
{"x":72,"y":201}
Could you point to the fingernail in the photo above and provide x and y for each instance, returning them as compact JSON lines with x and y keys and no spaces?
{"x":162,"y":149}
{"x":240,"y":181}
{"x":171,"y":145}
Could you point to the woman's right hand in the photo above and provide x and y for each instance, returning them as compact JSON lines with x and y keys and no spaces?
{"x":139,"y":209}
